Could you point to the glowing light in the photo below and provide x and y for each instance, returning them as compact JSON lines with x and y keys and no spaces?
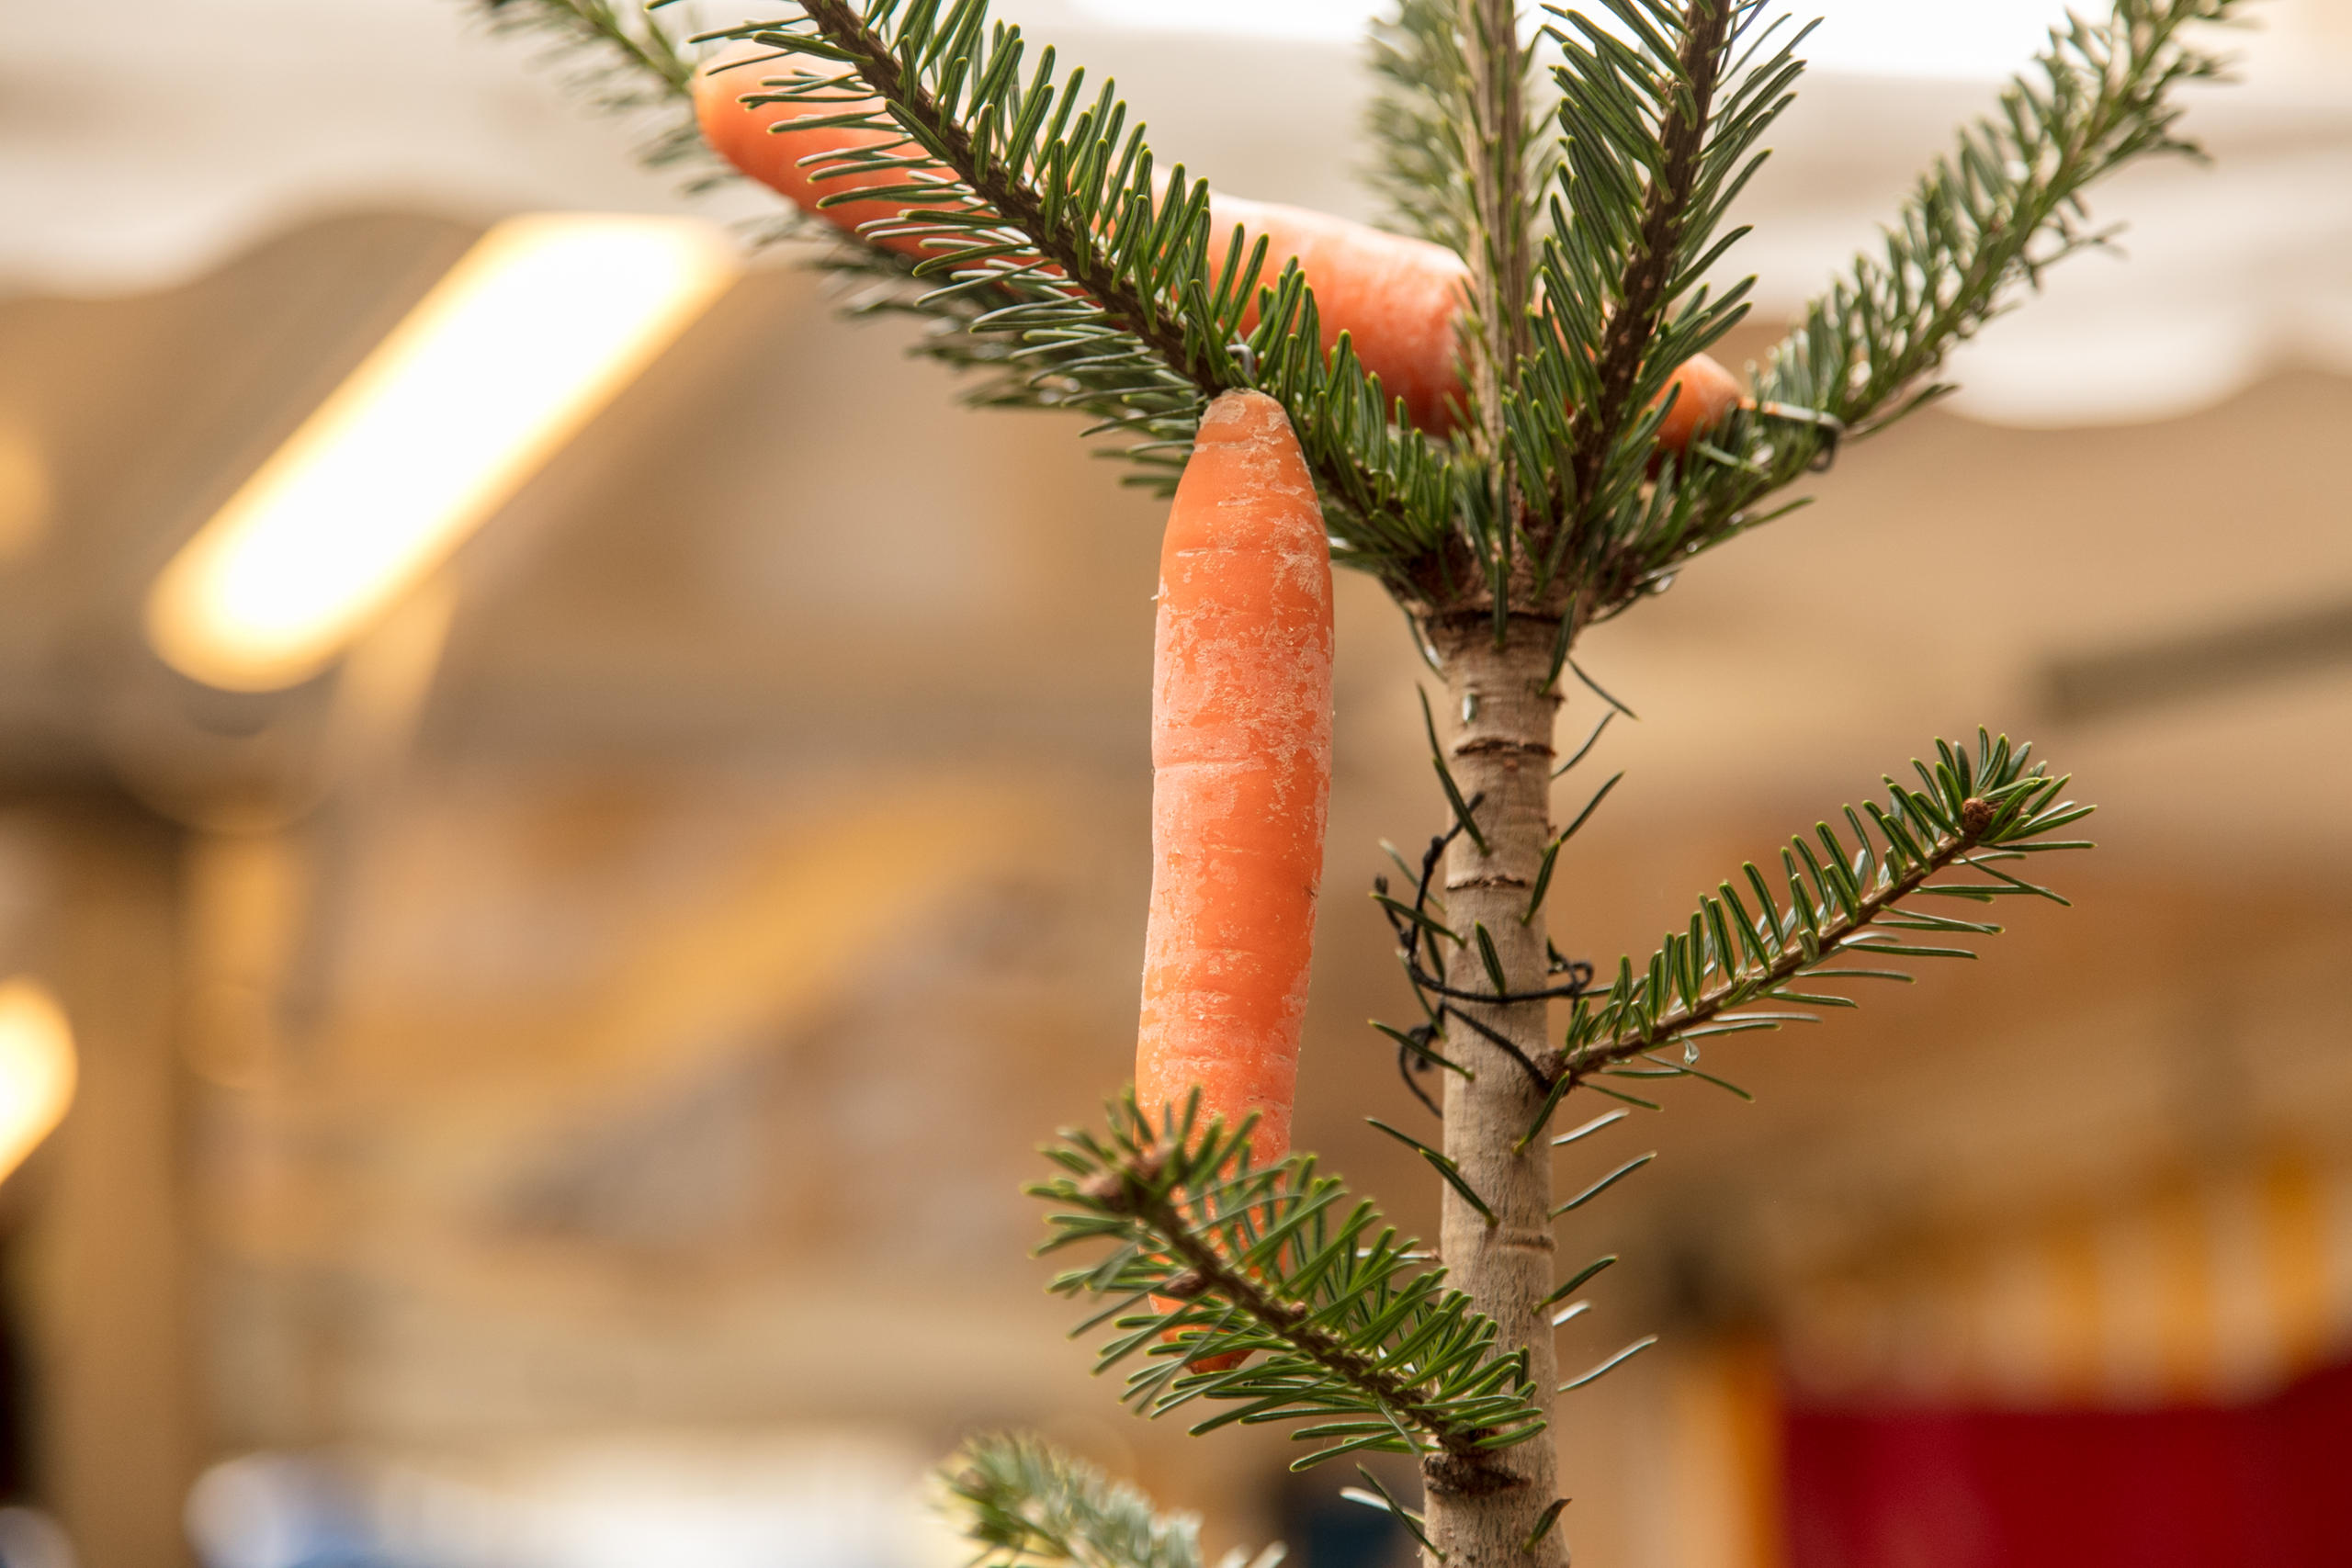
{"x":535,"y":329}
{"x":25,"y":493}
{"x":37,"y":1068}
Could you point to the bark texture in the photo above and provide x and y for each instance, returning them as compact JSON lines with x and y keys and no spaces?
{"x":1482,"y":1508}
{"x":1480,"y":1514}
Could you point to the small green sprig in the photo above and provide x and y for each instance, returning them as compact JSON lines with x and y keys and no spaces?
{"x":2003,"y":205}
{"x":630,"y":66}
{"x":1022,"y":1502}
{"x":1659,"y":119}
{"x":1848,"y":907}
{"x":1351,"y":1327}
{"x":1421,"y":166}
{"x":1977,"y":232}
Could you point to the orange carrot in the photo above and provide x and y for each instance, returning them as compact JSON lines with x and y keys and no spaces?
{"x":1241,"y":760}
{"x":1241,"y":778}
{"x":1397,"y":297}
{"x":1706,"y":393}
{"x":1240,"y":774}
{"x":749,"y":136}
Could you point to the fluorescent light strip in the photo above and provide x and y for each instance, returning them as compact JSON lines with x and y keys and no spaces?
{"x":532,"y":333}
{"x":37,"y":1068}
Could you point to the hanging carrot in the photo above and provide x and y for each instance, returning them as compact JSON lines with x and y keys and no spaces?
{"x":1400,"y":299}
{"x":1241,"y":778}
{"x":1397,"y":298}
{"x":748,"y":136}
{"x":1705,"y":393}
{"x":1242,"y":760}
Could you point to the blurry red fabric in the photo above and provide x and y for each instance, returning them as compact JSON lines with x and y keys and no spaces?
{"x":2259,"y":1486}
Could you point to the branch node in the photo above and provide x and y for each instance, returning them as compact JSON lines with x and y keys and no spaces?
{"x":1468,"y":1476}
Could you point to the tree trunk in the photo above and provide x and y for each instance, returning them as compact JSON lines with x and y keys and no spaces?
{"x":1480,"y":1514}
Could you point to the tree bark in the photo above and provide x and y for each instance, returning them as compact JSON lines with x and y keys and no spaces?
{"x":1482,"y":1508}
{"x":1481,"y":1513}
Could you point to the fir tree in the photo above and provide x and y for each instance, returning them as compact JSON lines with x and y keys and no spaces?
{"x":1588,"y":196}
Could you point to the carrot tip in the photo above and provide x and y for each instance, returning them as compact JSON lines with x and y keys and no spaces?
{"x":1241,"y":416}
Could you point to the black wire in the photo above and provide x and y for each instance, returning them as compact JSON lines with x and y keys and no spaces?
{"x":1542,"y":1080}
{"x":1406,"y":1065}
{"x":1409,"y":932}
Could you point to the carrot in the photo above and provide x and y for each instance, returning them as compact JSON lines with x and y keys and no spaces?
{"x":1705,"y":393}
{"x":1241,"y":760}
{"x":759,"y":140}
{"x":1397,"y":298}
{"x":1240,"y":779}
{"x":1241,"y":776}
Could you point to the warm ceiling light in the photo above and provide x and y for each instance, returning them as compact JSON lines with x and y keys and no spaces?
{"x":522,"y":343}
{"x":25,"y":496}
{"x":36,"y":1069}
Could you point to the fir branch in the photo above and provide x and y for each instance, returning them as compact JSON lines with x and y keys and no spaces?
{"x":975,"y":189}
{"x":637,"y":41}
{"x":1660,"y":130}
{"x":1500,"y":248}
{"x":1456,"y":117}
{"x":631,"y":66}
{"x":1022,"y":1501}
{"x":1847,"y":897}
{"x":1112,"y":307}
{"x":1115,"y":308}
{"x":1210,"y":1258}
{"x":1422,"y":93}
{"x":1415,"y":122}
{"x":1494,"y":332}
{"x":2006,"y":203}
{"x":990,"y":224}
{"x":1684,"y":102}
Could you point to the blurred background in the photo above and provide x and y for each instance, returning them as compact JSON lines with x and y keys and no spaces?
{"x":519,"y":1044}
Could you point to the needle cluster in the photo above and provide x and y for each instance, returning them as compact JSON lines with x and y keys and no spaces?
{"x":1067,"y":267}
{"x":1021,"y":1503}
{"x":1350,"y":1327}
